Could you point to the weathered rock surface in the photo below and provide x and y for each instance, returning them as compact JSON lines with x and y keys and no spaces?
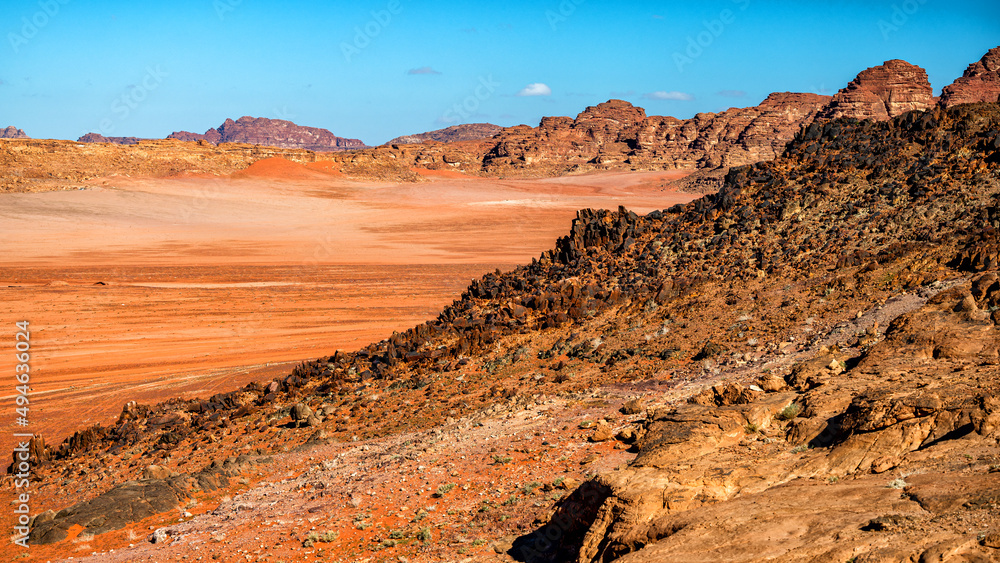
{"x":881,"y":92}
{"x":464,"y":132}
{"x":692,"y":491}
{"x":161,"y":490}
{"x":616,"y":134}
{"x":979,"y":83}
{"x":272,"y":133}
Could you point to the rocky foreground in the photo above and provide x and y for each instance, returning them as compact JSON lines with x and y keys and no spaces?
{"x":806,"y":364}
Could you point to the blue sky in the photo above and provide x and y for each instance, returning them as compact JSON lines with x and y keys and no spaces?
{"x":378,"y":69}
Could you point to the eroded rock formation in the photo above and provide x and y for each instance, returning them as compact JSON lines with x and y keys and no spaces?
{"x":979,"y":83}
{"x":881,"y":92}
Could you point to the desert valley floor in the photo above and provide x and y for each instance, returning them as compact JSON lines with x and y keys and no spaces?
{"x":150,"y":288}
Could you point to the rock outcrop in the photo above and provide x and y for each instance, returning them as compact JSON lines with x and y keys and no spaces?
{"x":979,"y":83}
{"x":272,"y":133}
{"x":615,"y":135}
{"x":212,"y":136}
{"x":464,"y":132}
{"x":881,"y":92}
{"x":98,"y":138}
{"x":12,"y":132}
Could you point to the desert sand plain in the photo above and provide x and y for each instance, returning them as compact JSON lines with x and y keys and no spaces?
{"x":150,"y":288}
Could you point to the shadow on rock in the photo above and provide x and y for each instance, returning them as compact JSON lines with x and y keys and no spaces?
{"x":560,"y":539}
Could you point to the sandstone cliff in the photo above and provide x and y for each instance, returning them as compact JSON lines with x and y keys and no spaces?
{"x":616,"y":134}
{"x":979,"y":83}
{"x":881,"y":92}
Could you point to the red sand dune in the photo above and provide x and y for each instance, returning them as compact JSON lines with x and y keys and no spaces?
{"x":278,"y":168}
{"x":326,"y":166}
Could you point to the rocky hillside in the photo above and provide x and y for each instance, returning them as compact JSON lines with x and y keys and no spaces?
{"x":464,"y":132}
{"x":12,"y":132}
{"x":979,"y":83}
{"x":824,"y":329}
{"x":271,"y":133}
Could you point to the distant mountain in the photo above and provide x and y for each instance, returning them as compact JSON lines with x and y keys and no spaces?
{"x":12,"y":133}
{"x":98,"y":138}
{"x":465,"y":132}
{"x":272,"y":133}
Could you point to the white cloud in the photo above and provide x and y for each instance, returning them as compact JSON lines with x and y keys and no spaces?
{"x":536,"y":89}
{"x":422,"y":70}
{"x":661,"y":95}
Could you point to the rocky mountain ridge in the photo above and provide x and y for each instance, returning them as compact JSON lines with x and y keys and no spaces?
{"x":98,"y":138}
{"x":615,"y":135}
{"x":454,"y":133}
{"x":272,"y":132}
{"x":11,"y":132}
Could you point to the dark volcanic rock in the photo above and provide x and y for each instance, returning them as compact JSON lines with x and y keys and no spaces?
{"x":129,"y":502}
{"x":12,"y":132}
{"x":979,"y":83}
{"x":881,"y":92}
{"x":464,"y":132}
{"x":133,"y":501}
{"x":273,"y":133}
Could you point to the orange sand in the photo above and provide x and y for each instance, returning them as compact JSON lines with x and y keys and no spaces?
{"x":213,"y":282}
